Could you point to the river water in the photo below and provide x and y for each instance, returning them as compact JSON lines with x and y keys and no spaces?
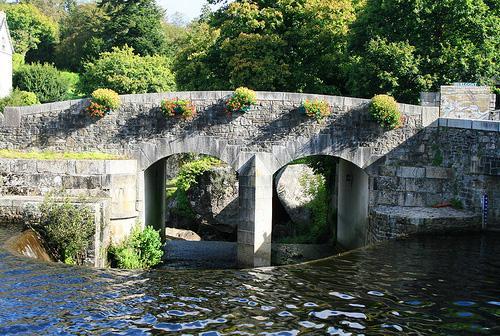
{"x":421,"y":286}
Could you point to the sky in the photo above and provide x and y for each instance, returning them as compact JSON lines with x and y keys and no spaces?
{"x":189,"y":8}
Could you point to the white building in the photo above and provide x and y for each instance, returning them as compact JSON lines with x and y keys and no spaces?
{"x":6,"y":51}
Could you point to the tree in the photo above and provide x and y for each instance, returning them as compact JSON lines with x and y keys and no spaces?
{"x":387,"y":67}
{"x":294,"y":45}
{"x":81,"y":37}
{"x":29,"y":28}
{"x":137,"y":24}
{"x":55,"y":9}
{"x":192,"y":65}
{"x":125,"y":72}
{"x":449,"y":40}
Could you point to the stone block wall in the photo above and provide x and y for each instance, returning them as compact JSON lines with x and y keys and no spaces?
{"x":108,"y":186}
{"x":274,"y":125}
{"x":440,"y":165}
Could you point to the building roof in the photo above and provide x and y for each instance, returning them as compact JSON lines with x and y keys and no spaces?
{"x":4,"y":25}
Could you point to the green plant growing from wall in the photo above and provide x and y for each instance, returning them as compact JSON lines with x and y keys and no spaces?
{"x":179,"y":186}
{"x":437,"y":159}
{"x":141,"y":250}
{"x":67,"y":228}
{"x":456,"y":203}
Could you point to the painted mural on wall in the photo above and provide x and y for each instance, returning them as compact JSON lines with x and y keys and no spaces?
{"x":466,"y":102}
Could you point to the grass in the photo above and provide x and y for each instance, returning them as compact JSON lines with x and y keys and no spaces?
{"x":48,"y":155}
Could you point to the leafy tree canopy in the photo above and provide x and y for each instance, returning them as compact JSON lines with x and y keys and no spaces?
{"x":294,"y":45}
{"x":136,"y":23}
{"x":29,"y":27}
{"x":409,"y":45}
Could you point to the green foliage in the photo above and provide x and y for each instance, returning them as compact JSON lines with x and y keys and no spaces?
{"x":384,"y":109}
{"x":437,"y":159}
{"x":141,"y":250}
{"x":456,"y":204}
{"x":318,"y":231}
{"x":241,"y":100}
{"x":439,"y":42}
{"x":17,"y":61}
{"x":133,"y":23}
{"x":73,"y":79}
{"x":29,"y":27}
{"x":67,"y":228}
{"x":81,"y":37}
{"x":107,"y":98}
{"x":187,"y":176}
{"x":125,"y":72}
{"x":48,"y":83}
{"x":18,"y":98}
{"x":178,"y":108}
{"x":391,"y":67}
{"x":103,"y":101}
{"x":192,"y":63}
{"x":283,"y":45}
{"x":318,"y":109}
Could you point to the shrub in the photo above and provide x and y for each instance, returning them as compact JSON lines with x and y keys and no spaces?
{"x":67,"y":229}
{"x":187,"y":176}
{"x":178,"y":108}
{"x":142,"y":249}
{"x":19,"y":98}
{"x":384,"y":109}
{"x":48,"y":83}
{"x":241,"y":100}
{"x":102,"y":102}
{"x":125,"y":72}
{"x":318,"y":109}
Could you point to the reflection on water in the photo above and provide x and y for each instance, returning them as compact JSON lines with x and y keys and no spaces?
{"x":438,"y":286}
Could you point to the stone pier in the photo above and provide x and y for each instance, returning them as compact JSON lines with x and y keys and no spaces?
{"x":256,"y":206}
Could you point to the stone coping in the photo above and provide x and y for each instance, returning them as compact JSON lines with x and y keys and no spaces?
{"x":12,"y":115}
{"x":69,"y":166}
{"x":422,"y":212}
{"x":478,"y":125}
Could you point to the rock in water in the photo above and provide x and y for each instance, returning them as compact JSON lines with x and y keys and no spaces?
{"x":292,"y":185}
{"x":179,"y":234}
{"x":214,"y":198}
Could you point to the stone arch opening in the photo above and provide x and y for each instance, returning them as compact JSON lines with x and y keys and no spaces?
{"x":320,"y":201}
{"x":192,"y":199}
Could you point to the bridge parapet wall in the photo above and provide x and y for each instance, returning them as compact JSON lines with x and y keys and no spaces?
{"x":274,"y":126}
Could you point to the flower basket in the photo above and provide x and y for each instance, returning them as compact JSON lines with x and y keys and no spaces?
{"x":241,"y":100}
{"x":178,"y":108}
{"x":318,"y":109}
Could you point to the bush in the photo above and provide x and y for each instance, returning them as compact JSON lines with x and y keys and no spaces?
{"x":178,"y":108}
{"x":241,"y":100}
{"x":125,"y":72}
{"x":187,"y":176}
{"x":48,"y":83}
{"x":318,"y":109}
{"x":384,"y":109}
{"x":67,"y":229}
{"x":19,"y":98}
{"x":102,"y":102}
{"x":141,"y":250}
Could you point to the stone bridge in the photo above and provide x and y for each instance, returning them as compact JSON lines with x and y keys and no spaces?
{"x":380,"y":173}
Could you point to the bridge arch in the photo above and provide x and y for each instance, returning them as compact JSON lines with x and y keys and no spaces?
{"x":348,"y":197}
